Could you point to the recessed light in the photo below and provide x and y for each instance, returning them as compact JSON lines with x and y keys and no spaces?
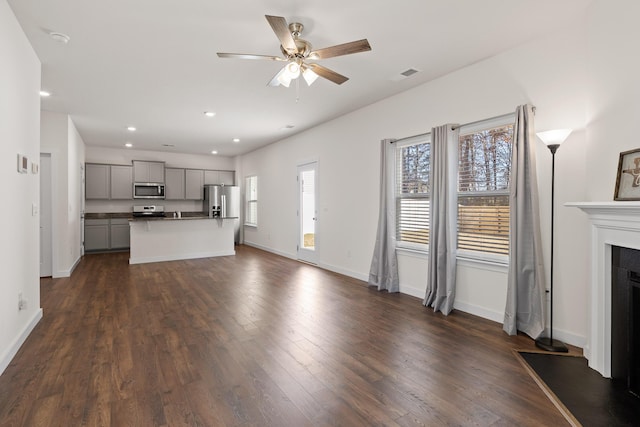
{"x":131,"y":128}
{"x":128,"y":145}
{"x":236,"y":139}
{"x":214,"y":152}
{"x":209,"y":113}
{"x":44,"y":93}
{"x":59,"y":37}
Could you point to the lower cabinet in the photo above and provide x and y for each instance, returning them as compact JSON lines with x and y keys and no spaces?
{"x":106,"y":234}
{"x":119,"y":233}
{"x":96,"y":234}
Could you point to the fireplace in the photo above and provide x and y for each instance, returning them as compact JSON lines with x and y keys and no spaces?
{"x":625,"y":318}
{"x":612,"y":224}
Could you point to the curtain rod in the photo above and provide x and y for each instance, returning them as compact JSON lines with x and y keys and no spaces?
{"x":503,"y":116}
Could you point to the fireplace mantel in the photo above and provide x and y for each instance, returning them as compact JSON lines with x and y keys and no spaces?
{"x":612,"y":224}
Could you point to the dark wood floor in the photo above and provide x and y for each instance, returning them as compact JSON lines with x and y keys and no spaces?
{"x":257,"y":340}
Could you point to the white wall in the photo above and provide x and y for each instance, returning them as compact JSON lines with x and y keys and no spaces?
{"x":178,"y":160}
{"x":613,"y":103}
{"x":548,"y":73}
{"x":19,"y":133}
{"x":60,"y":138}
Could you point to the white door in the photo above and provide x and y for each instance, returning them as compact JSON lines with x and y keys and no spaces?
{"x":82,"y":199}
{"x":46,"y":249}
{"x":307,"y":212}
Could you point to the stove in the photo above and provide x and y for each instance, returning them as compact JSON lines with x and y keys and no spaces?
{"x":148,"y":211}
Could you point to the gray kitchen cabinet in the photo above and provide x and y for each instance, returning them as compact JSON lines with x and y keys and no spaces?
{"x":211,"y":177}
{"x":97,"y":181}
{"x":96,"y":234}
{"x":194,"y":184}
{"x":119,"y":233}
{"x":121,"y":182}
{"x":174,"y":184}
{"x":227,"y":177}
{"x":145,"y":171}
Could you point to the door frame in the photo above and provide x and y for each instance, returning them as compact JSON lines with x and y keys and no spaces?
{"x":46,"y":174}
{"x":310,"y":256}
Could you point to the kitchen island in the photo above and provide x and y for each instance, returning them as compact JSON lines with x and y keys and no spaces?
{"x":188,"y":237}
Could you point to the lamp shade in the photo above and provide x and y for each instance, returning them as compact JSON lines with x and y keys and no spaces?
{"x":309,"y":76}
{"x":556,"y":136}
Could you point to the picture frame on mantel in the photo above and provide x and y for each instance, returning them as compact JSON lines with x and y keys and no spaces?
{"x":628,"y":178}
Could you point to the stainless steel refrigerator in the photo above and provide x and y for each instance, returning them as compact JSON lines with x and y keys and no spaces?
{"x":223,"y":201}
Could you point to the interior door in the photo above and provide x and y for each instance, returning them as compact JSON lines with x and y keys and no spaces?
{"x":46,"y":225}
{"x":307,"y":212}
{"x":83,"y":197}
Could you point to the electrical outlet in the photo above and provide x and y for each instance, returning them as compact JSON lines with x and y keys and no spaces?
{"x":22,"y":303}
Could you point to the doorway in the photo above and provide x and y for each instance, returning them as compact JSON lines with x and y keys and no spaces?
{"x":307,"y":212}
{"x":46,"y":223}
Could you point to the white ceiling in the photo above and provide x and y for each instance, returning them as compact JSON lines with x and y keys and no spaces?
{"x":152,"y":63}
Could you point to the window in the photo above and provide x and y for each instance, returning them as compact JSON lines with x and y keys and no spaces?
{"x":251,"y":197}
{"x":484,"y":170}
{"x":413,"y":168}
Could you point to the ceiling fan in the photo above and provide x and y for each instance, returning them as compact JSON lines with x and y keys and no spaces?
{"x":297,"y":52}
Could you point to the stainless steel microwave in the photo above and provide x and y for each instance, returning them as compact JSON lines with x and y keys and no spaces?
{"x":148,"y":190}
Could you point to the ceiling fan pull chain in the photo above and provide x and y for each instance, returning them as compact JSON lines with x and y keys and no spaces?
{"x":297,"y":90}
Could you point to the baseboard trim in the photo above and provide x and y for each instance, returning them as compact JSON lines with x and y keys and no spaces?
{"x":67,"y":273}
{"x":414,"y":292}
{"x":20,"y":339}
{"x":344,"y":272}
{"x":273,"y":251}
{"x":479,"y":311}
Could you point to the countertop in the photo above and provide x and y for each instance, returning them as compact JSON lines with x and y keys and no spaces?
{"x":168,"y":216}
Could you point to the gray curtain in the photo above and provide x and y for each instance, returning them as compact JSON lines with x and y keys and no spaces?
{"x":384,"y":264}
{"x":525,"y":285}
{"x":443,"y":209}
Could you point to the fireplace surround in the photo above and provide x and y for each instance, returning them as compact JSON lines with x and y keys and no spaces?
{"x":611,"y":224}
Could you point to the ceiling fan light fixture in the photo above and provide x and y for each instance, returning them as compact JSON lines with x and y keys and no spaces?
{"x":309,"y":76}
{"x":283,"y":77}
{"x":293,"y":70}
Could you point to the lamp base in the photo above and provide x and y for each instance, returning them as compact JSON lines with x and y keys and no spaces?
{"x":549,"y":344}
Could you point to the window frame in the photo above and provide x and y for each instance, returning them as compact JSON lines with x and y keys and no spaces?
{"x":248,"y":220}
{"x":415,"y":140}
{"x":480,"y":256}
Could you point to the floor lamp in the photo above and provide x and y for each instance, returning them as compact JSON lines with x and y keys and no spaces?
{"x":552,"y":139}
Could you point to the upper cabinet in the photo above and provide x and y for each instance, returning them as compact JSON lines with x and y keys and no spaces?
{"x":144,"y":171}
{"x":97,"y":181}
{"x":104,"y":182}
{"x":227,"y":177}
{"x":174,"y":184}
{"x":121,"y":182}
{"x":212,"y":177}
{"x":194,"y":184}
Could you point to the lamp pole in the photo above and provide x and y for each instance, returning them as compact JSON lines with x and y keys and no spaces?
{"x":549,"y":343}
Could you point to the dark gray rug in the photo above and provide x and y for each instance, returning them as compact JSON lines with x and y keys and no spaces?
{"x":591,"y":399}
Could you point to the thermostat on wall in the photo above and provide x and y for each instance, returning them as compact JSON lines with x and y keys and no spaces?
{"x":23,"y":164}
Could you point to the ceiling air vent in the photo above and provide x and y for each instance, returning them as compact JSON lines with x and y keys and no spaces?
{"x":404,"y":74}
{"x":409,"y":72}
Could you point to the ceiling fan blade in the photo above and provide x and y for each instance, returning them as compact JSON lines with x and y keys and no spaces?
{"x":328,"y":74}
{"x":341,"y":49}
{"x":249,"y":56}
{"x":280,"y":27}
